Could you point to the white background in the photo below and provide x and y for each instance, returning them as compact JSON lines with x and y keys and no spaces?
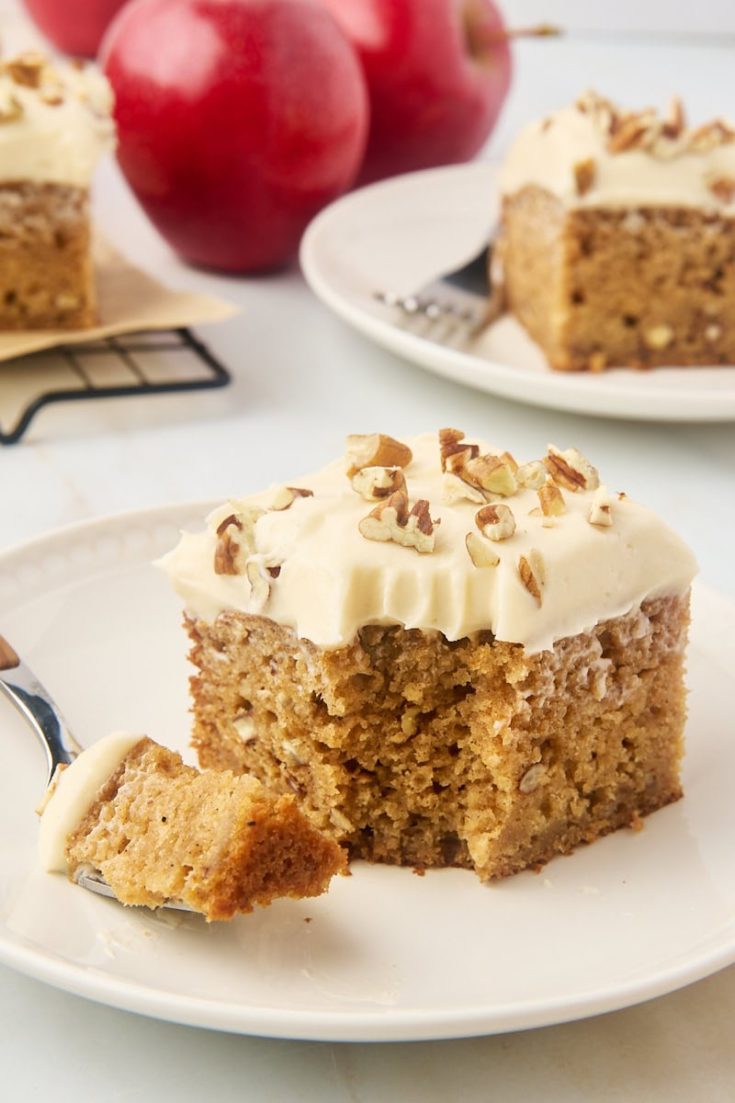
{"x":301,"y":380}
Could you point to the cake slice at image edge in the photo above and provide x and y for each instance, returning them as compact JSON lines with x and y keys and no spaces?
{"x":55,"y":124}
{"x":159,"y":830}
{"x":617,"y":237}
{"x":450,"y":657}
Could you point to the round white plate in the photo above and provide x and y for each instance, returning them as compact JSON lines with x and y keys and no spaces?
{"x":401,"y":233}
{"x":388,"y":955}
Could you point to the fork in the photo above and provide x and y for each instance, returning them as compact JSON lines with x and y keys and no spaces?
{"x":454,"y":307}
{"x":34,"y":702}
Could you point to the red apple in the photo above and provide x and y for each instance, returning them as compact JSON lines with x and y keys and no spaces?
{"x":74,"y":26}
{"x":438,"y":72}
{"x":237,"y":120}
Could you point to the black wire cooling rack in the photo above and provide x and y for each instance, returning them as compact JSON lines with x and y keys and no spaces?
{"x":155,"y":362}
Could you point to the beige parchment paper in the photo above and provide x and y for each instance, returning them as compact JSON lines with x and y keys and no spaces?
{"x":129,"y":300}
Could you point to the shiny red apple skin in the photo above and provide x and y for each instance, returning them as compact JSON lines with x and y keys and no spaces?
{"x":237,"y":121}
{"x":438,"y":72}
{"x":74,"y":26}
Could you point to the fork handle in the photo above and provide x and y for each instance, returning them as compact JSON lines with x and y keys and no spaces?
{"x":36,"y":704}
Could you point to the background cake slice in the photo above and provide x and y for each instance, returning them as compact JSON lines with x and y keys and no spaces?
{"x":55,"y":123}
{"x":158,"y":830}
{"x":617,"y":242}
{"x":449,"y":658}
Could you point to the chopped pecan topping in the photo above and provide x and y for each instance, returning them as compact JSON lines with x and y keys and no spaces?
{"x":490,"y":473}
{"x":456,"y":490}
{"x":496,"y":522}
{"x":603,"y":112}
{"x":235,"y":540}
{"x":532,"y":575}
{"x":570,"y":469}
{"x":494,"y":474}
{"x":480,"y":552}
{"x":52,"y":97}
{"x":285,"y":497}
{"x":584,"y":175}
{"x":227,"y":548}
{"x":375,"y":483}
{"x":452,"y":445}
{"x":722,"y":187}
{"x":375,"y":450}
{"x":11,"y":110}
{"x":675,"y":121}
{"x":551,"y":500}
{"x":259,"y":585}
{"x":634,"y":131}
{"x":26,"y":69}
{"x":601,"y":509}
{"x":393,"y":520}
{"x":532,"y":475}
{"x":710,"y":136}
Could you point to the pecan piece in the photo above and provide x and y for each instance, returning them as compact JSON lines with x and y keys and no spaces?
{"x":491,"y":473}
{"x":11,"y":110}
{"x":260,"y":587}
{"x":600,"y":513}
{"x":532,"y":575}
{"x":480,"y":552}
{"x":570,"y":469}
{"x":496,"y":522}
{"x":26,"y":69}
{"x":532,"y":475}
{"x":551,"y":500}
{"x":452,"y":445}
{"x":710,"y":136}
{"x":375,"y":483}
{"x":722,"y":187}
{"x":392,"y":520}
{"x":235,"y":540}
{"x":675,"y":122}
{"x":375,"y":450}
{"x":585,"y":173}
{"x":285,"y":497}
{"x":455,"y":489}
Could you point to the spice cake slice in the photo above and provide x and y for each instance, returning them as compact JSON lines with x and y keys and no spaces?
{"x":450,"y":658}
{"x":617,"y":241}
{"x":158,"y":830}
{"x":55,"y":123}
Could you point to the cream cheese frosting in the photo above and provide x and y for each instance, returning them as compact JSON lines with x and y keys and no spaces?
{"x":325,"y":580}
{"x":633,"y":160}
{"x":55,"y":121}
{"x":73,"y":791}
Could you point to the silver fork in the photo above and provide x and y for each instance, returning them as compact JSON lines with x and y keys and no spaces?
{"x":34,"y":702}
{"x":453,"y":308}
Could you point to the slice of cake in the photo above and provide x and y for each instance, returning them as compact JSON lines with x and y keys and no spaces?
{"x":158,"y":830}
{"x":449,"y":657}
{"x":617,"y":243}
{"x":55,"y":122}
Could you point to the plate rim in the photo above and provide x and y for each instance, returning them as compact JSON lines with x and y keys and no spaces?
{"x":564,"y":391}
{"x":379,"y":1025}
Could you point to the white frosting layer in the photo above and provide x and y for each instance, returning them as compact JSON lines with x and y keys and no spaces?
{"x":74,"y":791}
{"x":546,"y":152}
{"x":57,"y":131}
{"x":332,"y":580}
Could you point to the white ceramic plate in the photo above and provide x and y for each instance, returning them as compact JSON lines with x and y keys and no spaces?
{"x":388,"y":955}
{"x":398,"y":234}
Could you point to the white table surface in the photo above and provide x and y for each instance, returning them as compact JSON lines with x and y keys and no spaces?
{"x":301,"y":381}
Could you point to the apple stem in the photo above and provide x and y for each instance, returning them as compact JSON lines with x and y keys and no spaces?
{"x":541,"y":30}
